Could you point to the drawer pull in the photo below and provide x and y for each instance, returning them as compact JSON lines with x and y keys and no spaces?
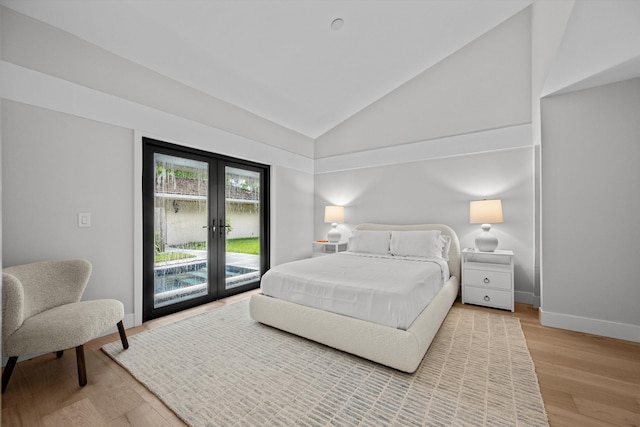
{"x":487,"y":298}
{"x":486,"y":280}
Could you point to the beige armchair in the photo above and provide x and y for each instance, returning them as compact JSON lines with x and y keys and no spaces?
{"x":42,"y":312}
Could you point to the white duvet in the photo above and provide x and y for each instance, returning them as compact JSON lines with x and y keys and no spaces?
{"x":388,"y":290}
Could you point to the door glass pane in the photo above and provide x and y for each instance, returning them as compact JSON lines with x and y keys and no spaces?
{"x":242,"y":226}
{"x":180,"y":233}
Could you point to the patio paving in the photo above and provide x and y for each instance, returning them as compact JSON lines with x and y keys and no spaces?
{"x":233,"y":258}
{"x":243,"y":260}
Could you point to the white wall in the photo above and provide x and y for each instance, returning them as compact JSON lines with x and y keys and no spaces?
{"x":549,"y":23}
{"x":485,"y":85}
{"x":439,"y":191}
{"x":291,"y":214}
{"x":591,"y":210}
{"x":37,"y":46}
{"x":69,"y":147}
{"x":458,"y":132}
{"x":243,"y":224}
{"x":54,"y":166}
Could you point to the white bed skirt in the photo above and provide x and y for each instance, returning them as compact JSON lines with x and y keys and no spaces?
{"x":397,"y":348}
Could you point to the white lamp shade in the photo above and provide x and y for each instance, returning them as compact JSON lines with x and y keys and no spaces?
{"x":334,"y":214}
{"x":485,"y":212}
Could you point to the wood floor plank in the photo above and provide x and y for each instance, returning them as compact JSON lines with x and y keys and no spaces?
{"x":579,"y":382}
{"x":22,"y":414}
{"x":611,"y":367}
{"x":569,"y":341}
{"x":578,"y":390}
{"x":142,"y":416}
{"x":113,"y":399}
{"x":608,"y":413}
{"x":81,"y":414}
{"x":560,"y":417}
{"x":559,"y":398}
{"x":584,"y":380}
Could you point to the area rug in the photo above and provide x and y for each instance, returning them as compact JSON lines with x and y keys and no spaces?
{"x":222,"y":368}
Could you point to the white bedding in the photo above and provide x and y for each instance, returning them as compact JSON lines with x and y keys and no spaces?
{"x":388,"y":290}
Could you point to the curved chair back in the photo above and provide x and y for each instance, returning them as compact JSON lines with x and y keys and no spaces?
{"x":42,"y":312}
{"x":30,"y":289}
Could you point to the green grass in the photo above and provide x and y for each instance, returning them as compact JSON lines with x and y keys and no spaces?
{"x":171,"y":256}
{"x":248,"y":245}
{"x":194,"y":246}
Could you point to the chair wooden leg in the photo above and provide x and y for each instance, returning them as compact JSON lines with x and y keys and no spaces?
{"x":123,"y":335}
{"x":82,"y":368}
{"x":8,"y":370}
{"x":59,"y":353}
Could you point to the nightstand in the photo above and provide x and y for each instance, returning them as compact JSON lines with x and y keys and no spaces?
{"x":326,"y":248}
{"x":487,"y":278}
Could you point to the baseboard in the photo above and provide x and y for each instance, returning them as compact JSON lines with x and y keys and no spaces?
{"x":536,"y":301}
{"x":527,"y":298}
{"x":523,"y":297}
{"x":606,"y":328}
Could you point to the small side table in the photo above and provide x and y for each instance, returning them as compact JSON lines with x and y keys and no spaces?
{"x":487,"y":278}
{"x":326,"y":248}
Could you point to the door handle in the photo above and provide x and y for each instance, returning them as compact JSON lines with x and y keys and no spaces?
{"x":211,"y":227}
{"x":222,"y":227}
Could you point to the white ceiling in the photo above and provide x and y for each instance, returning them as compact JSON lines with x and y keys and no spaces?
{"x":281,"y":60}
{"x":601,"y":44}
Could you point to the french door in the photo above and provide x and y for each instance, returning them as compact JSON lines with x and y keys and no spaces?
{"x":205,"y":227}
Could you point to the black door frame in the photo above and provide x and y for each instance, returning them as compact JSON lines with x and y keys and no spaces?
{"x":216,"y":255}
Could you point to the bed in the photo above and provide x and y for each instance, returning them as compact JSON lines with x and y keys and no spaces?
{"x":398,"y":346}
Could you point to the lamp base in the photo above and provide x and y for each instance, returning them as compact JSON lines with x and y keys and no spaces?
{"x":486,"y":242}
{"x":333,"y":236}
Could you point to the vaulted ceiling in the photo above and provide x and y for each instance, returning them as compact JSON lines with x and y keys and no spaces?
{"x":283,"y":60}
{"x":600,"y":45}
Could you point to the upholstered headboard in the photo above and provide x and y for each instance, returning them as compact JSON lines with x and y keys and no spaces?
{"x":454,"y":249}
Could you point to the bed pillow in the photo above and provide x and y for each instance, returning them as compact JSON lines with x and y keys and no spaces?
{"x":420,"y":243}
{"x":368,"y":241}
{"x":446,"y":245}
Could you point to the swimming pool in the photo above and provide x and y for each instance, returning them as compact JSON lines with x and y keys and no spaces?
{"x":183,"y":281}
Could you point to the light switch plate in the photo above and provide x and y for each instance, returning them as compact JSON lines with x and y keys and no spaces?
{"x":84,"y":219}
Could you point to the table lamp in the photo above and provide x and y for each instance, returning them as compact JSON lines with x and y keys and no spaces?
{"x":334,"y":215}
{"x":486,"y":212}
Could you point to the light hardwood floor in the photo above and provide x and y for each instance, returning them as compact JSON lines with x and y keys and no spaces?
{"x":585,"y":380}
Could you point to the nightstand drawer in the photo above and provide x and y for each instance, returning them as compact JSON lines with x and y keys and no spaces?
{"x":487,"y":279}
{"x":488,"y":297}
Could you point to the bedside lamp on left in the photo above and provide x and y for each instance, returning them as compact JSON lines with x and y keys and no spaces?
{"x":334,"y":215}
